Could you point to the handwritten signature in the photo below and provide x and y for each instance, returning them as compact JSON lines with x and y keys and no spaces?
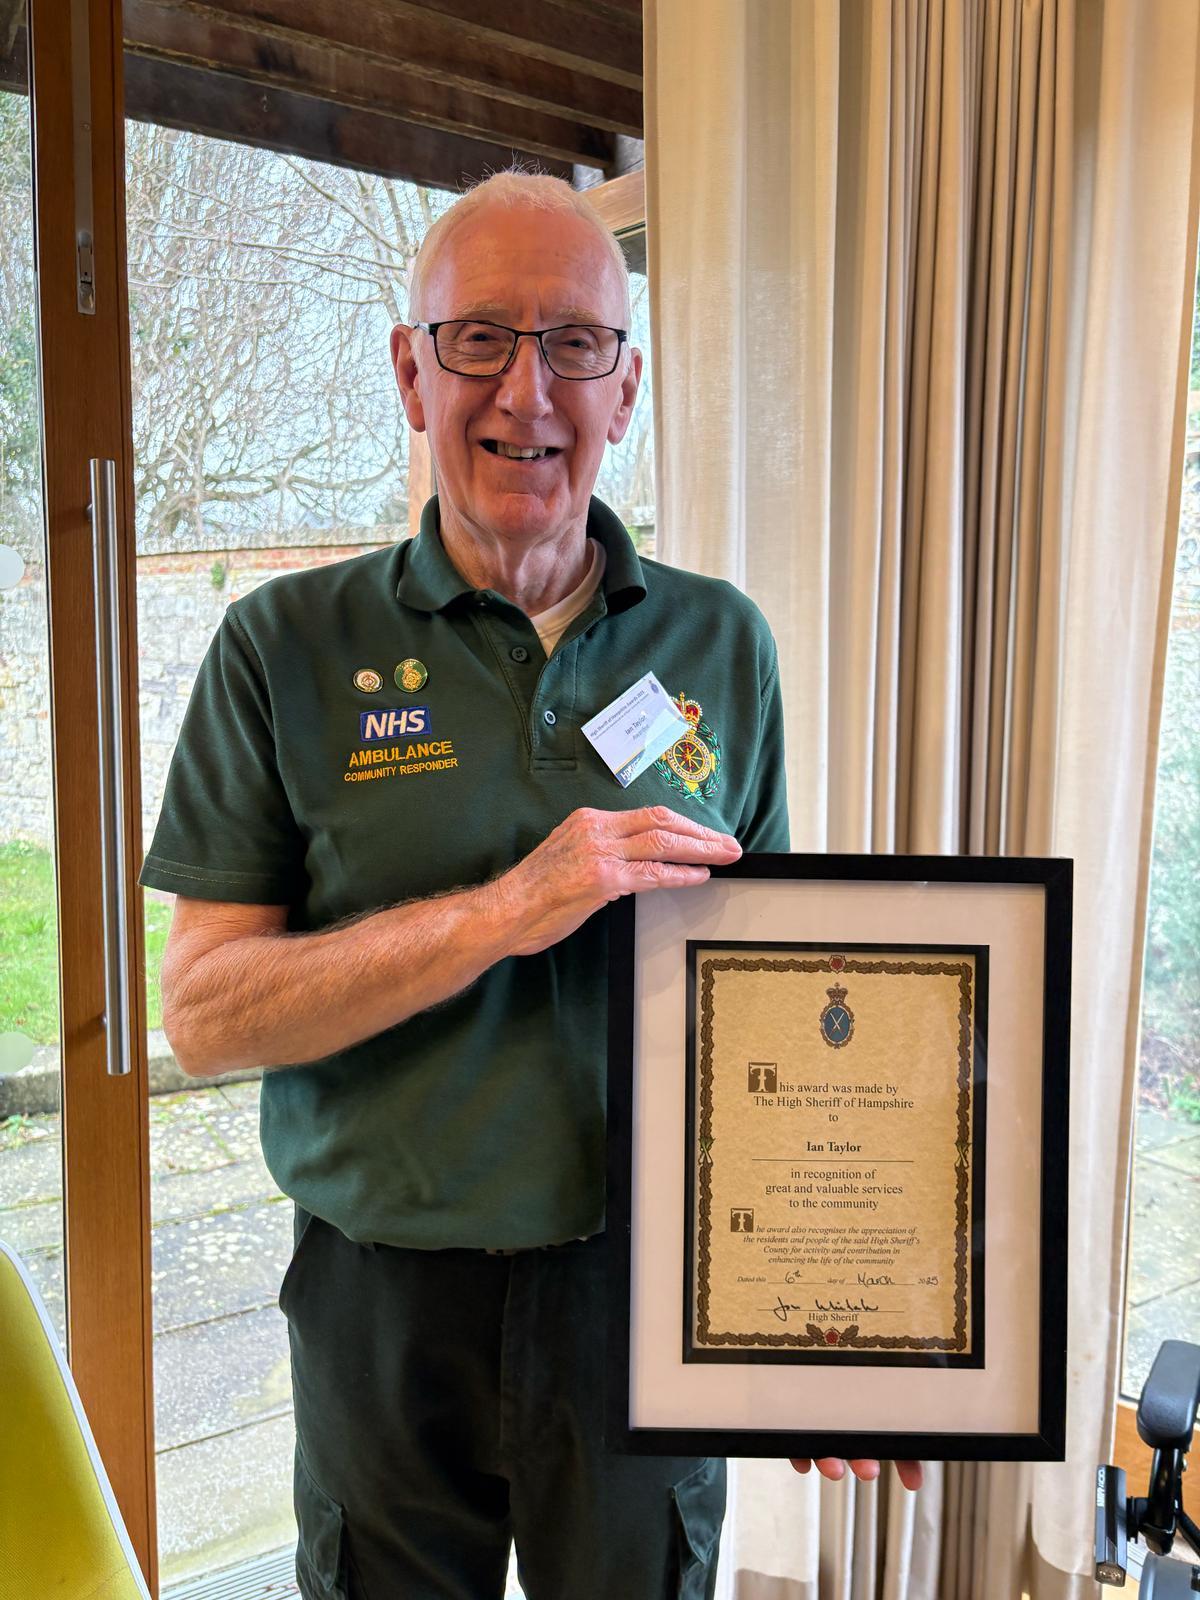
{"x":781,"y":1308}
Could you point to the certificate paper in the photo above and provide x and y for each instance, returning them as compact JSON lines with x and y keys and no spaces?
{"x":836,"y":1112}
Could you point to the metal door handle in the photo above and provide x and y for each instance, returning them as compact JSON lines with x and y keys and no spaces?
{"x":103,"y":512}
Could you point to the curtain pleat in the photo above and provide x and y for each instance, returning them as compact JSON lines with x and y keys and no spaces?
{"x":921,"y":272}
{"x":923,"y":1530}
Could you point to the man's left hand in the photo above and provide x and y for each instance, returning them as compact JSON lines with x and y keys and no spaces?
{"x":910,"y":1473}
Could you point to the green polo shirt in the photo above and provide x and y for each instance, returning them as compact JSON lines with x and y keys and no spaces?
{"x":297,"y":781}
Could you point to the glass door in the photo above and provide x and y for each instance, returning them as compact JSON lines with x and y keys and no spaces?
{"x":73,"y":1170}
{"x":31,"y":1184}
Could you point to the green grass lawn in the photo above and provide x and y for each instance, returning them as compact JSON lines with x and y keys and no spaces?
{"x":29,"y":945}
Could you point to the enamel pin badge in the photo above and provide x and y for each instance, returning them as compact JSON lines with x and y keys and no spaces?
{"x":411,"y":675}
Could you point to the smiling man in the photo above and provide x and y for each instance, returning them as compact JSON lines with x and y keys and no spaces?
{"x":389,"y":837}
{"x":518,"y":447}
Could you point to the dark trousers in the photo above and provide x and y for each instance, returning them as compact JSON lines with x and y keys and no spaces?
{"x":450,"y":1401}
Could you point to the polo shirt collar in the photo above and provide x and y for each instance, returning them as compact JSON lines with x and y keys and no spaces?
{"x":430,"y":581}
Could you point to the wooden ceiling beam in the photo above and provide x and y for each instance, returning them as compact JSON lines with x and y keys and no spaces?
{"x":407,"y":37}
{"x":212,"y":103}
{"x":302,"y":66}
{"x":621,"y":201}
{"x":604,"y":9}
{"x":607,"y":47}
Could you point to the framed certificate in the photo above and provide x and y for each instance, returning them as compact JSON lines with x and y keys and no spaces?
{"x":838,"y":1093}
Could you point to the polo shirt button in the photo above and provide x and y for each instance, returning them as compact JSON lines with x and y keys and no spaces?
{"x":519,"y":653}
{"x":548,"y":716}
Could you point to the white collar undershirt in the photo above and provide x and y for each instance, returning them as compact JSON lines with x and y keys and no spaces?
{"x":552,"y":623}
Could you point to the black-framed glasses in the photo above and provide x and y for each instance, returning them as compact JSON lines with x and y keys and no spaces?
{"x":577,"y":351}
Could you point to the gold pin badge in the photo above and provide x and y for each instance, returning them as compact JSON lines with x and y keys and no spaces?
{"x":411,"y":675}
{"x":368,"y":680}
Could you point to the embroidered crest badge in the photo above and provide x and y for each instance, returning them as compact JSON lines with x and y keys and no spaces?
{"x":692,"y":765}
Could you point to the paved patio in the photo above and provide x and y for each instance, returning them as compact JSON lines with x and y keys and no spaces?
{"x":1164,"y":1275}
{"x":222,"y":1238}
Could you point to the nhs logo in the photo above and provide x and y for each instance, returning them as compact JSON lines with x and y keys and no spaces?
{"x":376,"y":726}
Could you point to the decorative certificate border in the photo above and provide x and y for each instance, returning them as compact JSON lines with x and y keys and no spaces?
{"x":701,"y":1341}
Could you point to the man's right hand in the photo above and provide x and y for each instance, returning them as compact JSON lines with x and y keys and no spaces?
{"x":596,"y":856}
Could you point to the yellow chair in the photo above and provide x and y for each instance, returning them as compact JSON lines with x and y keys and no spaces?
{"x":61,"y":1533}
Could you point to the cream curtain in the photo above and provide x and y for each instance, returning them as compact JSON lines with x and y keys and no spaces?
{"x":922,"y":276}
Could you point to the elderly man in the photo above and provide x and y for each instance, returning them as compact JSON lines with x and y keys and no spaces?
{"x":389,"y":838}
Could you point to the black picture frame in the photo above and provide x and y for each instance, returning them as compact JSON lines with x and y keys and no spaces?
{"x":1043,"y":1442}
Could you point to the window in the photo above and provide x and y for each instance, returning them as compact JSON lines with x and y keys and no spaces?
{"x":1163,"y":1282}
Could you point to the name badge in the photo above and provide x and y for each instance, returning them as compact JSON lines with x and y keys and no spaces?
{"x":630,"y":734}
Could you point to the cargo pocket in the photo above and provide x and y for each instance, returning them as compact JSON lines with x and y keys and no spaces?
{"x":700,"y":1509}
{"x":321,"y":1550}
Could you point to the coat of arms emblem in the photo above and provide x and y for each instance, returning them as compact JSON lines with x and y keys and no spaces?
{"x":692,"y":765}
{"x":837,"y":1020}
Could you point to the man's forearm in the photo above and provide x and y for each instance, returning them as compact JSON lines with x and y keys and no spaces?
{"x":282,"y":999}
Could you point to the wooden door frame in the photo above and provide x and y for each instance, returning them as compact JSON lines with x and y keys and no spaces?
{"x":86,"y":412}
